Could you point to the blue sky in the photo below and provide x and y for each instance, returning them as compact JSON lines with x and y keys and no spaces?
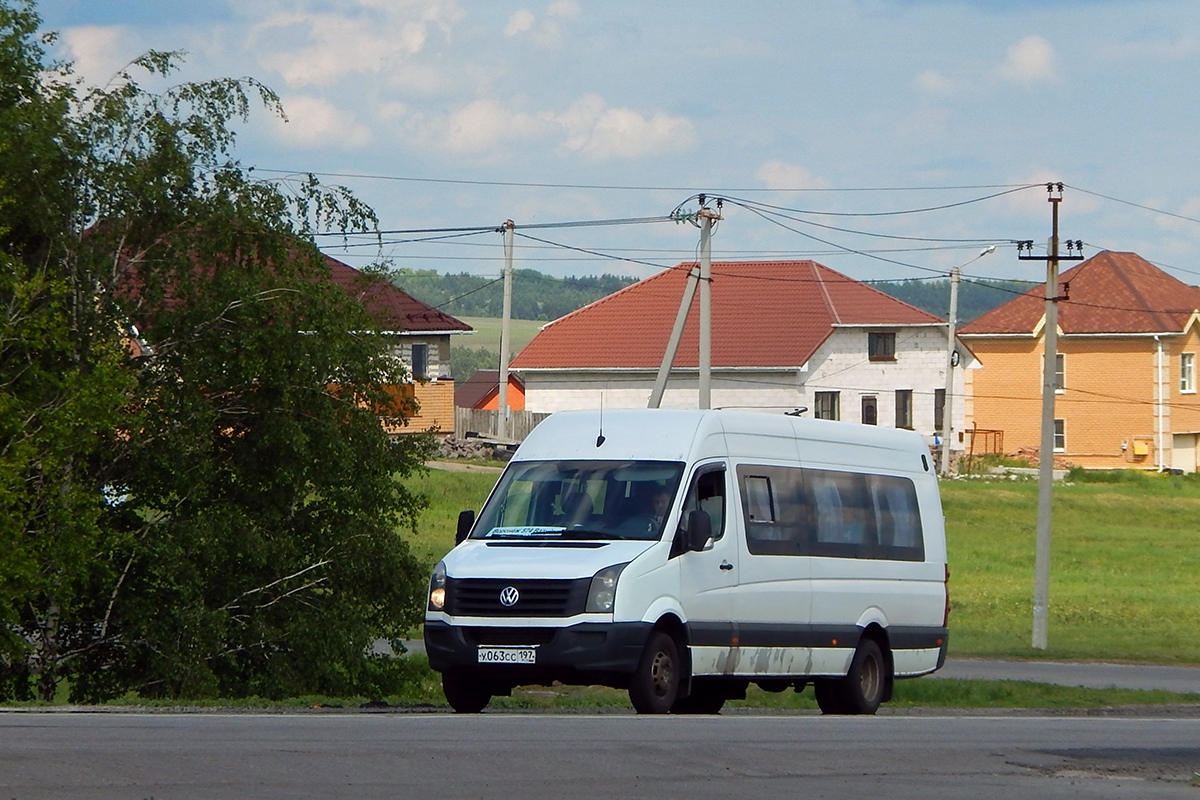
{"x":882,"y":138}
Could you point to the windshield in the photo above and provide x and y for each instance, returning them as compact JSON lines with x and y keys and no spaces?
{"x":580,"y":500}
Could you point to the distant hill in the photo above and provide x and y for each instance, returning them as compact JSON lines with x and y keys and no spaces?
{"x":479,"y":301}
{"x":535,"y":295}
{"x":975,"y":297}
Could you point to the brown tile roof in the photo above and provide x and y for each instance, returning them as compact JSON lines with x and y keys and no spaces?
{"x":393,"y":308}
{"x":1108,"y":293}
{"x":473,"y":391}
{"x":764,"y":314}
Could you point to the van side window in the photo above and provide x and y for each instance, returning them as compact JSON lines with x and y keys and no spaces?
{"x":775,"y":510}
{"x":707,"y":494}
{"x":795,"y":511}
{"x":897,"y":518}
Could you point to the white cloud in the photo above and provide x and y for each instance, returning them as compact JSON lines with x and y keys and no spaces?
{"x":598,"y":132}
{"x":1030,"y":60}
{"x":1190,"y":208}
{"x":548,"y":32}
{"x":319,"y":49}
{"x":521,"y":21}
{"x":99,"y":52}
{"x":485,"y":124}
{"x":934,"y":82}
{"x":782,"y":175}
{"x":563,"y":9}
{"x":314,"y":123}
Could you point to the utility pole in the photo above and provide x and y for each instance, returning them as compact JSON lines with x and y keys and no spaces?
{"x":951,"y":361}
{"x":505,"y":325}
{"x":701,"y":276}
{"x":1041,"y":572}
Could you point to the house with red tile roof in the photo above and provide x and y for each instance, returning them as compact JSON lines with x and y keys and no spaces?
{"x":1128,"y":335}
{"x":785,"y":335}
{"x":422,"y":341}
{"x":482,"y":391}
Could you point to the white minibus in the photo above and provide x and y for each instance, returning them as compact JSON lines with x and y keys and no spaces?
{"x":683,"y":555}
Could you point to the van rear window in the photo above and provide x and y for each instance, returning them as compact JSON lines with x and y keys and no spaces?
{"x":812,"y":512}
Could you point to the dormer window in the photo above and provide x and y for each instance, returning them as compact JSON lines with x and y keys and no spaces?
{"x":881,"y":345}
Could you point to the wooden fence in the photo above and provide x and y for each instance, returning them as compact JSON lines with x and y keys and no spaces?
{"x":476,"y":422}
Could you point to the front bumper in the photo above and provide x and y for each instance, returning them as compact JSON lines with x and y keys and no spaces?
{"x":589,"y":652}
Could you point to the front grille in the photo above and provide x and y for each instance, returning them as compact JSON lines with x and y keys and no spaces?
{"x":509,"y":636}
{"x":480,"y":597}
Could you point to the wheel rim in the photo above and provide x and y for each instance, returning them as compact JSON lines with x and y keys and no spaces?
{"x":871,"y":678}
{"x":662,"y":673}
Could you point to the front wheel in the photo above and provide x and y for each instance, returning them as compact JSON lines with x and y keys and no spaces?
{"x":464,"y":695}
{"x":654,"y":687}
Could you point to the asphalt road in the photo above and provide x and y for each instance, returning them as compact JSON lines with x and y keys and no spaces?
{"x":1095,"y":675}
{"x":550,"y":757}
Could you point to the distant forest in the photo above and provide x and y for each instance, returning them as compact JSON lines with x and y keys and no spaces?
{"x":537,"y":296}
{"x":975,"y":297}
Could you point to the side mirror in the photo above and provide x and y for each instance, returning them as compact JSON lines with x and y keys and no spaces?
{"x":699,"y":530}
{"x":465,"y":520}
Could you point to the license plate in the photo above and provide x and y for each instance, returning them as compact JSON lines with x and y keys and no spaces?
{"x":507,"y":655}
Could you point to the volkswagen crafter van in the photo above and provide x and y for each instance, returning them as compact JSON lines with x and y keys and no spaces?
{"x":683,"y":555}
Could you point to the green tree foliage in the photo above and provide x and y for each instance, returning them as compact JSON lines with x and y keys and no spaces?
{"x":975,"y":296}
{"x":205,"y":504}
{"x":534,"y":296}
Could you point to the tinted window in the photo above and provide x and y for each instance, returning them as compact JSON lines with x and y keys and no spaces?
{"x":793,"y":511}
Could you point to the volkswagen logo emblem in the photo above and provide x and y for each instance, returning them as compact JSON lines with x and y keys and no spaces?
{"x":509,"y":596}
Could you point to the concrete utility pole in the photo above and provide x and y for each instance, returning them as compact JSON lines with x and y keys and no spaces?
{"x":952,"y":319}
{"x":1041,"y":572}
{"x":700,"y":275}
{"x":505,"y":325}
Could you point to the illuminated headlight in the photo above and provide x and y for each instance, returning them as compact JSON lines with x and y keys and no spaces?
{"x":603,"y":592}
{"x":437,"y":588}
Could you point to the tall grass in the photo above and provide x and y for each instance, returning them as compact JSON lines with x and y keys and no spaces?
{"x":1125,"y":563}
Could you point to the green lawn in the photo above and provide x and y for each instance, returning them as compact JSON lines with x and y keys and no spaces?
{"x":1124,"y":567}
{"x":487,"y":333}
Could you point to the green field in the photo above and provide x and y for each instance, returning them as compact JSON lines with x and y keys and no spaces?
{"x":487,"y":333}
{"x":1124,"y":565}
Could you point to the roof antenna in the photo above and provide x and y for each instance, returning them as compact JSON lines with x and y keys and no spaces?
{"x":600,"y":438}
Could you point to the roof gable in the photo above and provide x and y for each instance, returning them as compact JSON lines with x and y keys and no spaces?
{"x":1116,"y":293}
{"x":764,"y":314}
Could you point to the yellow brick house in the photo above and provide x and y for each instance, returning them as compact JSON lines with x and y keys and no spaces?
{"x":1129,"y":335}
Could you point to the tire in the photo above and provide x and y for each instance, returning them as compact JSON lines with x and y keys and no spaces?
{"x":654,"y":687}
{"x":706,"y":698}
{"x":465,"y":696}
{"x":829,"y":696}
{"x":862,"y":689}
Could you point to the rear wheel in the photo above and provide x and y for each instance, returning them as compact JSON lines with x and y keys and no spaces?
{"x":862,"y":689}
{"x":464,"y":695}
{"x":706,"y":698}
{"x":654,"y":687}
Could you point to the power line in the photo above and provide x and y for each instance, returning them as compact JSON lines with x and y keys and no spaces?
{"x":633,"y":187}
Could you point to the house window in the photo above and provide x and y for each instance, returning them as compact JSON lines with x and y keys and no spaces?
{"x":904,"y":417}
{"x":939,"y":409}
{"x":420,"y":362}
{"x":1187,"y":373}
{"x":1060,"y":372}
{"x":881,"y":345}
{"x":870,"y":415}
{"x":1060,"y":435}
{"x":826,"y":405}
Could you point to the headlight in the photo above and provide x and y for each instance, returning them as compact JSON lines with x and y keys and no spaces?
{"x":437,"y":588}
{"x":603,"y":591}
